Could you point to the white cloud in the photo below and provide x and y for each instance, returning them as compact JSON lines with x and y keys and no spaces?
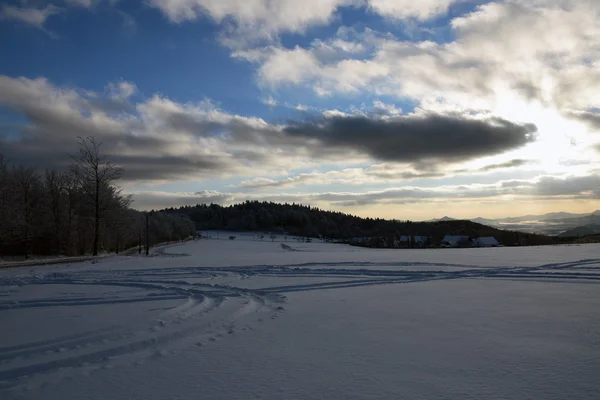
{"x":83,"y":3}
{"x":121,"y":90}
{"x":289,"y":66}
{"x":400,"y":9}
{"x":155,"y":139}
{"x":545,"y":49}
{"x":375,"y":174}
{"x":525,"y":60}
{"x":249,"y":20}
{"x":258,"y":18}
{"x":270,"y":101}
{"x":35,"y":17}
{"x":160,"y":140}
{"x":542,"y":188}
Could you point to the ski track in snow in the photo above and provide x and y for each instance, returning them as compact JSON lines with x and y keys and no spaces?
{"x":207,"y":311}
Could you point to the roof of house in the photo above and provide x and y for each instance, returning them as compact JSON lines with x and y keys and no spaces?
{"x":489,"y":240}
{"x":405,"y":238}
{"x":450,"y":238}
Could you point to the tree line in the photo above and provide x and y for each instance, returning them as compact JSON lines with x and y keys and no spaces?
{"x":76,"y":212}
{"x":307,"y":221}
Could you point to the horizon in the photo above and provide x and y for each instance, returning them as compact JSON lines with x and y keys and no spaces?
{"x":375,"y":108}
{"x":396,"y":219}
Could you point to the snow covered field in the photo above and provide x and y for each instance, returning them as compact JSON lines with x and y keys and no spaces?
{"x":243,"y":319}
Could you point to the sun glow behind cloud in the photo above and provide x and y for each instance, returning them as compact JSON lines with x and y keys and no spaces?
{"x":558,"y":138}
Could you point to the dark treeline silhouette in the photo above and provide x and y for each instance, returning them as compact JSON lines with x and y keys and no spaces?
{"x":75,"y":212}
{"x":302,"y":220}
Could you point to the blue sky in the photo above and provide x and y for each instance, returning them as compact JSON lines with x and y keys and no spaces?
{"x":389,"y":108}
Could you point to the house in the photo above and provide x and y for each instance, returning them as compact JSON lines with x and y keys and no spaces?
{"x":456,"y":241}
{"x":488,"y":241}
{"x":419,"y":241}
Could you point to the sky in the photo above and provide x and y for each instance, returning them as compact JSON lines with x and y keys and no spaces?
{"x":397,"y":109}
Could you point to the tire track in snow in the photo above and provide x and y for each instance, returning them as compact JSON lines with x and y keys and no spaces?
{"x":387,"y":277}
{"x":189,"y":323}
{"x":208,"y":312}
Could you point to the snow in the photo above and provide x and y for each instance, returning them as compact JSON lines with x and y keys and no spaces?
{"x":243,"y":319}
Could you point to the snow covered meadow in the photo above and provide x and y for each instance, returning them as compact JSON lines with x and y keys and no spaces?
{"x":244,"y":319}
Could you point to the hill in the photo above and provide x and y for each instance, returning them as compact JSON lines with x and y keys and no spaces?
{"x":445,"y":218}
{"x":577,"y":232}
{"x":551,"y":224}
{"x":580,"y":231}
{"x":302,"y":220}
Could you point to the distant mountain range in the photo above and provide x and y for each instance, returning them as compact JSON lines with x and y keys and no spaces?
{"x":562,"y":224}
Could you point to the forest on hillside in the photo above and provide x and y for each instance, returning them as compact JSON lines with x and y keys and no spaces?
{"x":82,"y":211}
{"x":304,"y":220}
{"x":76,"y":212}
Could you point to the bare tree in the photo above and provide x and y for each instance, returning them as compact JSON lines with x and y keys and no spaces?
{"x":94,"y":174}
{"x":55,"y":185}
{"x":71,"y":203}
{"x":5,"y":203}
{"x":118,"y":218}
{"x":25,"y":181}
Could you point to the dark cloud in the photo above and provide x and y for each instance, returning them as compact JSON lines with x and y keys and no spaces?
{"x":393,"y":172}
{"x":414,"y":139}
{"x":146,"y":162}
{"x":160,"y":139}
{"x":529,"y":90}
{"x":545,"y":189}
{"x":516,"y":183}
{"x":586,"y":186}
{"x":352,"y":203}
{"x":374,"y":197}
{"x":507,"y":164}
{"x":591,"y":118}
{"x":168,"y":167}
{"x":158,"y":200}
{"x":113,"y":105}
{"x":264,"y":183}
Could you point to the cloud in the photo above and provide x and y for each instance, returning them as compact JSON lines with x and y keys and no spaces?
{"x":35,"y":17}
{"x":592,"y":119}
{"x":542,"y":188}
{"x":128,"y":24}
{"x":158,"y":200}
{"x":582,"y":186}
{"x":508,"y":164}
{"x":82,"y":3}
{"x":416,"y":138}
{"x":375,"y":174}
{"x":486,"y":67}
{"x":264,"y":183}
{"x":248,"y":21}
{"x":121,"y":90}
{"x":160,"y":139}
{"x":390,"y":172}
{"x":145,"y":138}
{"x":273,"y":15}
{"x":347,"y":176}
{"x":400,"y":9}
{"x":270,"y":101}
{"x":256,"y":18}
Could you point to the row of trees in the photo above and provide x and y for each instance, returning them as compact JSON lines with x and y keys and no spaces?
{"x":75,"y":212}
{"x":307,"y":221}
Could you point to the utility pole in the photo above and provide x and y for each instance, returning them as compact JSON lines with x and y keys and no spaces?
{"x":147,"y":236}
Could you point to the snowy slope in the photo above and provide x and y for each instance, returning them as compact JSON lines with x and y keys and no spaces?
{"x":222,"y":319}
